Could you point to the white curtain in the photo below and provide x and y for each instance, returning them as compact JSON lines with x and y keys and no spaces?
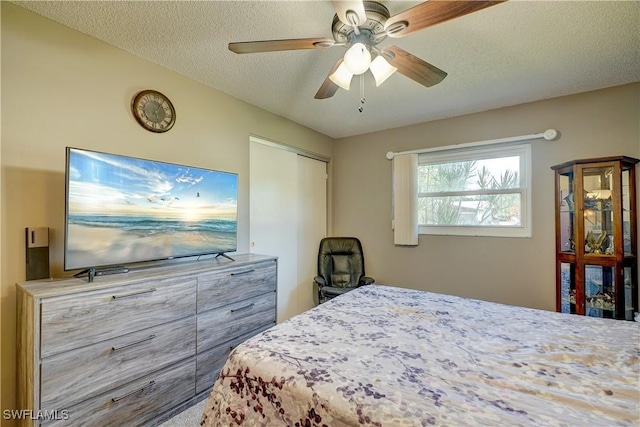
{"x":405,"y":199}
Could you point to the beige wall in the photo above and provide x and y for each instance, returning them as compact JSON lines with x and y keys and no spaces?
{"x":2,"y":346}
{"x":62,"y":88}
{"x":508,"y":270}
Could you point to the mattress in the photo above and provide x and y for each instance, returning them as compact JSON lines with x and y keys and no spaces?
{"x":388,"y":356}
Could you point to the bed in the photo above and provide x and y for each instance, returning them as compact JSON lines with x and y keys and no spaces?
{"x":387,"y":356}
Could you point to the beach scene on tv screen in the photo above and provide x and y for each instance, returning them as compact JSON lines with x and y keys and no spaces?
{"x":123,"y":210}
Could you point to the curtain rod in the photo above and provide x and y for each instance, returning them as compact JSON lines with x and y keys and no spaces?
{"x":549,"y":134}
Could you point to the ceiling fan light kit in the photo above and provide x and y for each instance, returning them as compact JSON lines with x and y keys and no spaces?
{"x":361,"y":26}
{"x":357,"y":59}
{"x":342,"y":76}
{"x":381,"y":69}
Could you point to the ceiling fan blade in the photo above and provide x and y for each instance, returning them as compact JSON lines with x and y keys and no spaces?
{"x":328,"y":88}
{"x":277,"y":45}
{"x":430,"y":13}
{"x":413,"y":67}
{"x":350,"y":12}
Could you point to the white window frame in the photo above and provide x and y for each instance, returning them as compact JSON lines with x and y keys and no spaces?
{"x":524,"y":229}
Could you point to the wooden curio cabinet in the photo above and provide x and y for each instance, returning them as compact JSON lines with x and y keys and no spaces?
{"x":596,"y":237}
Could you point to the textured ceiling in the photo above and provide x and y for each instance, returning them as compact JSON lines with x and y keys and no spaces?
{"x":515,"y":52}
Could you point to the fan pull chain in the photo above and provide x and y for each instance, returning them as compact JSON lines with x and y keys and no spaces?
{"x":361,"y":108}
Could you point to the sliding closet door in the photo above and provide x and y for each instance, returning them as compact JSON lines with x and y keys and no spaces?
{"x":273,"y":217}
{"x":312,"y":224}
{"x":288,"y":206}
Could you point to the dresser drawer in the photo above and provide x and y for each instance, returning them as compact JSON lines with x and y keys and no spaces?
{"x":77,"y":320}
{"x":229,"y":322}
{"x":209,"y":363}
{"x":137,"y":402}
{"x":71,"y":377}
{"x":235,"y":284}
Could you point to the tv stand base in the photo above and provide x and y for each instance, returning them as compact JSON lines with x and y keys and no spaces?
{"x":222,"y":254}
{"x":93,"y":272}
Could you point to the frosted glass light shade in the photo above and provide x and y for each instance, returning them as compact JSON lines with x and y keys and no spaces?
{"x":357,"y":59}
{"x":381,"y":69}
{"x":342,"y":77}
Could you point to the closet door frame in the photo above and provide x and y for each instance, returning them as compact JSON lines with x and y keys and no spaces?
{"x":275,"y":225}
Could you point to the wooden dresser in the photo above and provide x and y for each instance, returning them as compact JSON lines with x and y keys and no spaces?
{"x":136,"y":348}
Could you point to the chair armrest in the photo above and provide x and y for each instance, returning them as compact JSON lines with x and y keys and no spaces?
{"x":320,"y":281}
{"x":365,"y":281}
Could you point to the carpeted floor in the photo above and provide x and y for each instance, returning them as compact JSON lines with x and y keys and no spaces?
{"x":188,"y":418}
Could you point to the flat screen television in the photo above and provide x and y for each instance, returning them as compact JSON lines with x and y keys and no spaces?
{"x":123,"y":210}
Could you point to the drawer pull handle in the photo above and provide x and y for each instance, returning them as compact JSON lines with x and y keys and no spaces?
{"x":132,"y":294}
{"x":241,"y":272}
{"x":246,"y":307}
{"x":131,"y":393}
{"x":150,"y":337}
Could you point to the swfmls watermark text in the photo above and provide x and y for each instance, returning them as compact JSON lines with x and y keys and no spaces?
{"x":29,"y":414}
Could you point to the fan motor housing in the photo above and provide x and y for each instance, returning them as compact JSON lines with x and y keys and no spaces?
{"x":371,"y":32}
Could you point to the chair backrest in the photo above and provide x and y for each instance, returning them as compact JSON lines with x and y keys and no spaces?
{"x":340,"y":261}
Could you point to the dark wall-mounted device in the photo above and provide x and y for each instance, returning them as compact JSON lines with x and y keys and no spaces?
{"x":37,"y":244}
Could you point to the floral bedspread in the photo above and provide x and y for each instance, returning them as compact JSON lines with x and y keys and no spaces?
{"x":385,"y":356}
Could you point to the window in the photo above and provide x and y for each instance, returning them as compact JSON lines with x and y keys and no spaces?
{"x":475,"y":192}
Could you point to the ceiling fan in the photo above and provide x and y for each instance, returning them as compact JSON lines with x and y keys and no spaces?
{"x":361,"y":26}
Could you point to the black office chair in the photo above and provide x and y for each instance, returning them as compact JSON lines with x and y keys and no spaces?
{"x":340,"y":268}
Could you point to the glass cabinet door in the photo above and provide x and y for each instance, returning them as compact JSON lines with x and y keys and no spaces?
{"x":567,"y":212}
{"x":568,"y":288}
{"x":629,"y":288}
{"x":599,"y":291}
{"x":627,"y":213}
{"x":598,"y":212}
